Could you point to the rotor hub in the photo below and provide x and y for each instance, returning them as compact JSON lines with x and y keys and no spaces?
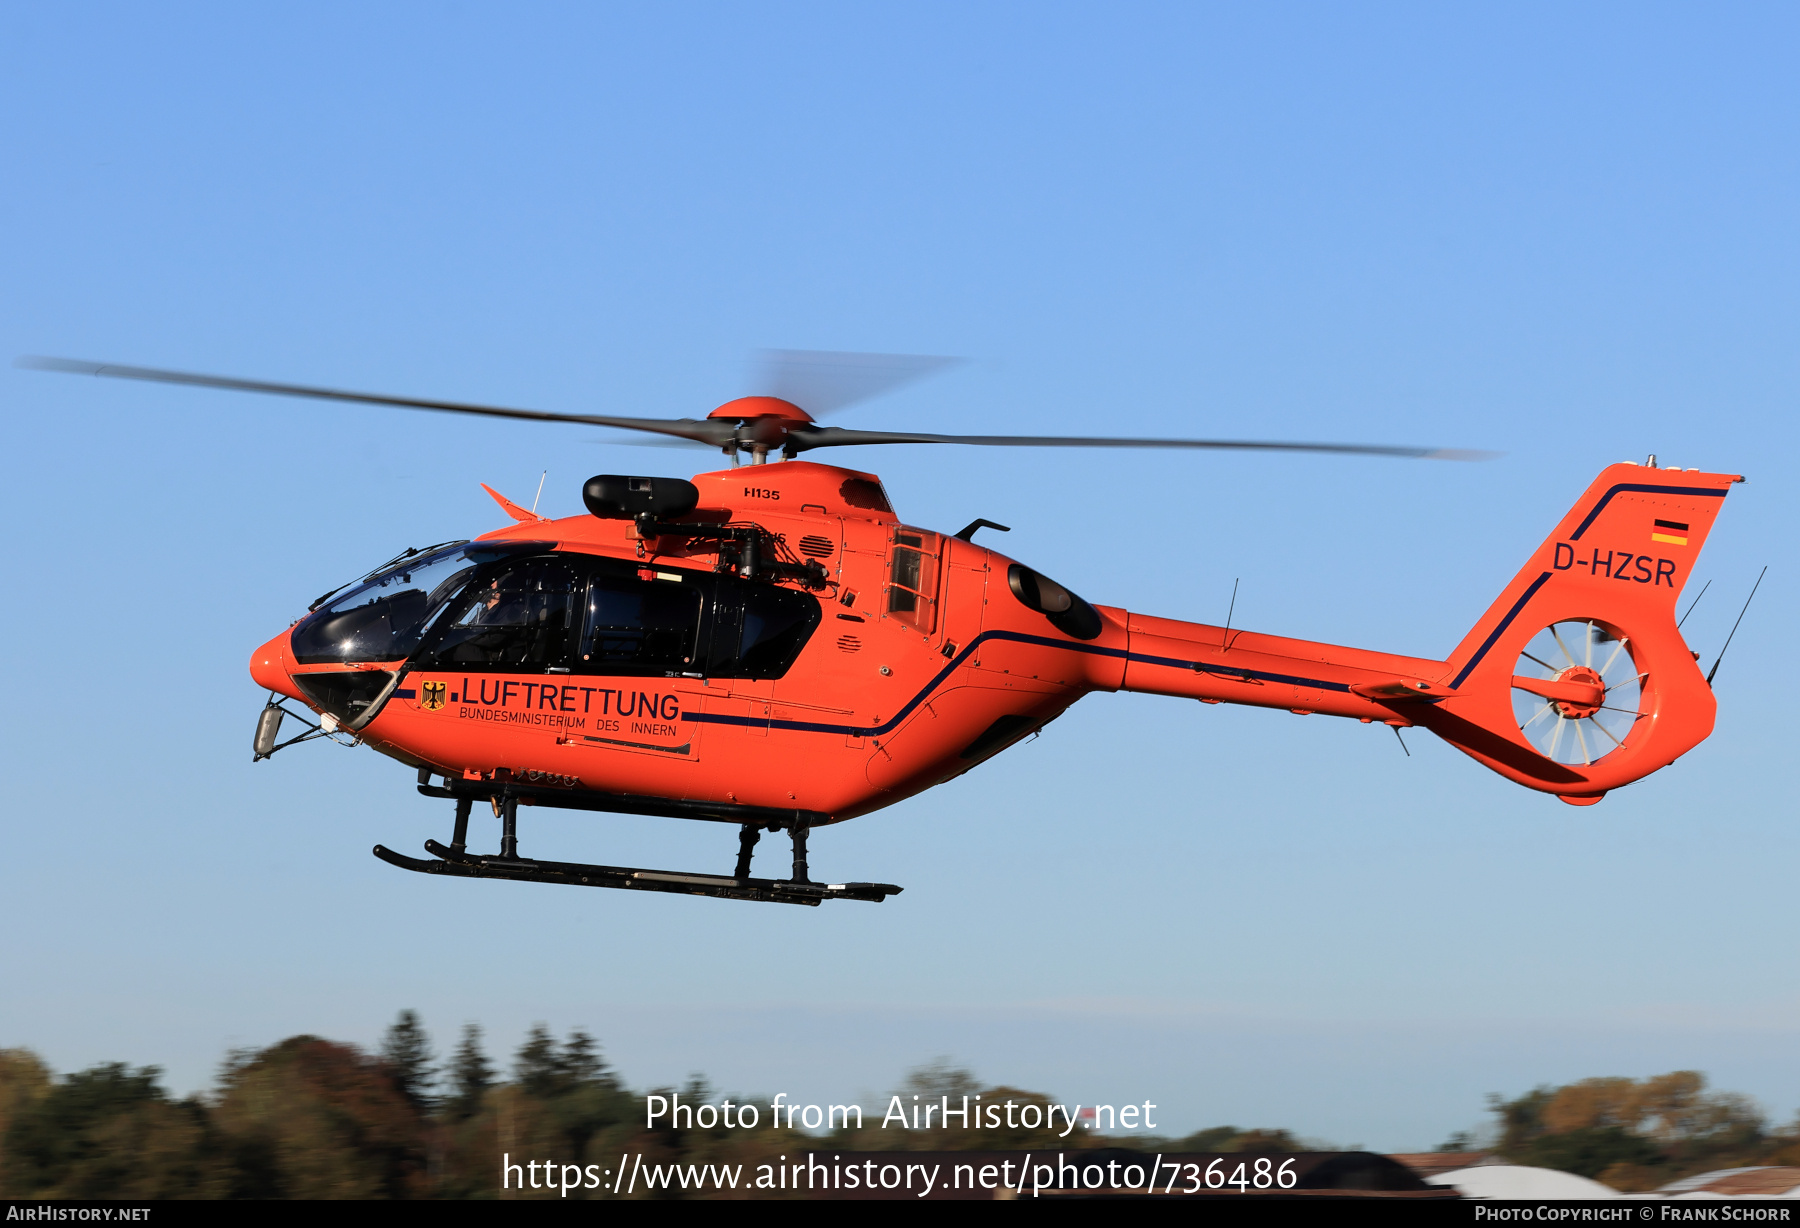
{"x":764,"y":424}
{"x":749,"y":409}
{"x":1578,"y":708}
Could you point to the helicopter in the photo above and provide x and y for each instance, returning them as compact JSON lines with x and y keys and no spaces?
{"x":770,"y":646}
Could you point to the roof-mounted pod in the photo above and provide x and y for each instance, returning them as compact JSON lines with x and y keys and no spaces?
{"x":612,"y":496}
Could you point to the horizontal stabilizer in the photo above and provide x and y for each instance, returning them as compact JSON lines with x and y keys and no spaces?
{"x":1396,"y":688}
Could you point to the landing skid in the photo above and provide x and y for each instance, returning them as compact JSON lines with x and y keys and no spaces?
{"x":454,"y":860}
{"x":577,"y":874}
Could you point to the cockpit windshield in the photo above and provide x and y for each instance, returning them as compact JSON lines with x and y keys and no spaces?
{"x":384,"y":618}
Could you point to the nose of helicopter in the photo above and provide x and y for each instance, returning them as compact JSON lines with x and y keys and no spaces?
{"x":269,"y":667}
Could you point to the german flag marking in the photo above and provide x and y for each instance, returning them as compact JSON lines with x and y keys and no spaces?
{"x":1677,"y":535}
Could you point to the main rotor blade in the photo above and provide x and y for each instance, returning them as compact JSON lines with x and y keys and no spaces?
{"x":804,"y":437}
{"x":716,"y":433}
{"x":825,"y":381}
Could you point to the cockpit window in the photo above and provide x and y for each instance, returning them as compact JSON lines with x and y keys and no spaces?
{"x":384,"y":618}
{"x":524,"y":617}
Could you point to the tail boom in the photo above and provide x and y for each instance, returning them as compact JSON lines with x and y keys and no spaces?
{"x":1214,"y":665}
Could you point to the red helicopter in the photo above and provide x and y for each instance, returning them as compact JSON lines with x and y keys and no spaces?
{"x":770,"y":646}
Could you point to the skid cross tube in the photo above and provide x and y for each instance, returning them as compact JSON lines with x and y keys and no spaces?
{"x":748,"y":835}
{"x":509,"y":828}
{"x":798,"y":832}
{"x":454,"y":788}
{"x":460,"y":840}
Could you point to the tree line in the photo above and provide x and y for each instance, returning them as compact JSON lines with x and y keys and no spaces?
{"x":1636,"y":1134}
{"x":314,"y":1118}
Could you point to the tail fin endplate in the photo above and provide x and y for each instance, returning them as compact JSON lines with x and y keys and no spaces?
{"x":1618,"y":561}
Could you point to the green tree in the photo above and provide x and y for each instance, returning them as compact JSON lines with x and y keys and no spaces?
{"x":581,"y":1060}
{"x":471,"y":1074}
{"x":1215,"y":1138}
{"x":407,"y":1051}
{"x":24,"y":1080}
{"x":1230,"y":1138}
{"x":1632,"y":1133}
{"x":996,"y":1120}
{"x":938,"y":1078}
{"x":572,"y":1082}
{"x":112,"y":1132}
{"x":538,"y":1066}
{"x":1521,"y":1119}
{"x":544,"y":1068}
{"x":309,"y":1118}
{"x":1589,"y":1151}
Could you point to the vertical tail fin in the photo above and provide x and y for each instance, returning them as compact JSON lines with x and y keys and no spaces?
{"x":1576,"y":681}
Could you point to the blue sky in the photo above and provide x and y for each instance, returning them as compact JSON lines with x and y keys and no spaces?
{"x":1566,"y":235}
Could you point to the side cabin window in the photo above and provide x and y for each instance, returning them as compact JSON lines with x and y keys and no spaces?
{"x":521,"y":618}
{"x":592,"y":615}
{"x":758,"y":629}
{"x":913,"y":578}
{"x":641,"y":624}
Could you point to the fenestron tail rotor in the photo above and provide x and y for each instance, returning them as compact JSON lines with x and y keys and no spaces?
{"x":1577,"y":691}
{"x":758,"y":425}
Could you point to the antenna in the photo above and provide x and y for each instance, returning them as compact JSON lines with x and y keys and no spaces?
{"x":546,"y":473}
{"x":1225,"y":640}
{"x":1693,"y":603}
{"x":1396,"y":730}
{"x":1740,"y":618}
